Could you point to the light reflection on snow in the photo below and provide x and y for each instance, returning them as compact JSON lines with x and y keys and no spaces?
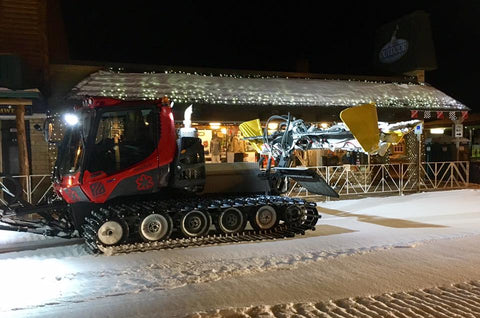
{"x":7,"y":237}
{"x":27,"y":283}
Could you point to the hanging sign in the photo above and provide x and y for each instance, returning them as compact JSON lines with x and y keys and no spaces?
{"x":418,"y":129}
{"x":458,"y":130}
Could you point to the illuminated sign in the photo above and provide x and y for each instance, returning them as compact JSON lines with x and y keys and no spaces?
{"x":405,"y":44}
{"x":393,"y":50}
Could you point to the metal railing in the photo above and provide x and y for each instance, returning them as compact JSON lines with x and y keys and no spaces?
{"x":346,"y":180}
{"x":390,"y":178}
{"x":35,"y":188}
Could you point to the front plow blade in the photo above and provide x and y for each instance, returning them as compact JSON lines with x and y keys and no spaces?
{"x":309,"y":179}
{"x":363,"y":124}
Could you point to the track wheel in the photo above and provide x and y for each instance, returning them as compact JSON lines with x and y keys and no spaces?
{"x":294,"y":215}
{"x":195,"y":223}
{"x":265,"y":218}
{"x":155,"y":227}
{"x":112,"y":232}
{"x":231,"y":221}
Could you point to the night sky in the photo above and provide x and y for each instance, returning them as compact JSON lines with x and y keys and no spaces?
{"x":335,"y":38}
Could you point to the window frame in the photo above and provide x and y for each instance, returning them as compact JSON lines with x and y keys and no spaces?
{"x":395,"y":147}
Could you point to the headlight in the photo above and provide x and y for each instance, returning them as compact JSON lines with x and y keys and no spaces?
{"x":71,"y":119}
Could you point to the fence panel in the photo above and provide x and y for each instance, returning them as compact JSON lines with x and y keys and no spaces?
{"x":346,"y":180}
{"x":35,"y":188}
{"x":390,"y":178}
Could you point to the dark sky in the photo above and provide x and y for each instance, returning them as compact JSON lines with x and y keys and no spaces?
{"x":335,"y":37}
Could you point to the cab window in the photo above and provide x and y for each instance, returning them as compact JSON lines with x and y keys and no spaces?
{"x":123,"y":138}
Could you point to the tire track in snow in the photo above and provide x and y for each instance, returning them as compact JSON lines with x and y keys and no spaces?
{"x":76,"y":286}
{"x":457,"y":300}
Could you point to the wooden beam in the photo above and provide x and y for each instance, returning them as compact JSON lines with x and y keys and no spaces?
{"x":15,"y":101}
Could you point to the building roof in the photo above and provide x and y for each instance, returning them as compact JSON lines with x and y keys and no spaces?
{"x":33,"y":93}
{"x":187,"y":88}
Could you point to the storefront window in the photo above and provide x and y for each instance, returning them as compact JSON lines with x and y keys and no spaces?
{"x":223,"y":143}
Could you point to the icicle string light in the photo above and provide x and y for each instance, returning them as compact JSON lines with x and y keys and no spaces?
{"x":229,"y":89}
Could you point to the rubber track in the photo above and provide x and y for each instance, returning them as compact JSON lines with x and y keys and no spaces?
{"x":172,"y":207}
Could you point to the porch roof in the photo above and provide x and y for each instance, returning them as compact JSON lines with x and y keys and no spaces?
{"x":186,"y":88}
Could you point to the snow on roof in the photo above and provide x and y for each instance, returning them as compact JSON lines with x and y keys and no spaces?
{"x":20,"y":93}
{"x":230,"y":89}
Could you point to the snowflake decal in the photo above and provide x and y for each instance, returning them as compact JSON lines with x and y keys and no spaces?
{"x":74,"y":197}
{"x":144,"y":182}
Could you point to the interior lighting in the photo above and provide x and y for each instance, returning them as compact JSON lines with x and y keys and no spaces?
{"x":224,"y":131}
{"x":437,"y":131}
{"x":215,"y":125}
{"x":272,"y":126}
{"x":324,"y":125}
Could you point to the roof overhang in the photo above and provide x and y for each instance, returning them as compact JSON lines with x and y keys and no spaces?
{"x":186,"y":88}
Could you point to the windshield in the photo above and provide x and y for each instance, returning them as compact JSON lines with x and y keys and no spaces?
{"x":70,"y":151}
{"x":71,"y":148}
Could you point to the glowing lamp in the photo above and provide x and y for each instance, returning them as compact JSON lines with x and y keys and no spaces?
{"x":437,"y":131}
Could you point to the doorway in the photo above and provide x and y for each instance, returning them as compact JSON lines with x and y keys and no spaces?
{"x":9,"y":142}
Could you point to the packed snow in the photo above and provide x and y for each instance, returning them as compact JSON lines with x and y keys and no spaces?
{"x":367,"y":255}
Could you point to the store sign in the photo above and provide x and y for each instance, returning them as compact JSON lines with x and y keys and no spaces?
{"x":393,"y":50}
{"x":458,"y":131}
{"x":405,"y":44}
{"x":10,"y":110}
{"x":418,"y":129}
{"x":7,"y":110}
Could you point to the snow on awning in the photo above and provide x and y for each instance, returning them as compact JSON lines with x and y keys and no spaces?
{"x":231,"y":90}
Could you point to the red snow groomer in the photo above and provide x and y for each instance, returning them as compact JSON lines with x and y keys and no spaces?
{"x":124,"y":179}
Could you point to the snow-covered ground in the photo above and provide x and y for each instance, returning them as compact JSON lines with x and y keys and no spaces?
{"x":399,"y":256}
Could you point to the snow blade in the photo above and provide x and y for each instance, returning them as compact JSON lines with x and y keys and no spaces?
{"x":363,"y":123}
{"x":309,"y":179}
{"x":253,"y":133}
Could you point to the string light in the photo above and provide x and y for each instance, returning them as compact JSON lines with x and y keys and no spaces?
{"x":255,"y":89}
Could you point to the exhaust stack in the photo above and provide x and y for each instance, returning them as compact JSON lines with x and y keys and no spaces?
{"x":187,"y":130}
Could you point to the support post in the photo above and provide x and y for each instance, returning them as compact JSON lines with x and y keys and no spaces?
{"x":419,"y":160}
{"x":23,"y":162}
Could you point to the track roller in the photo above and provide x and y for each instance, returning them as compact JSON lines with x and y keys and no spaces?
{"x":195,"y":223}
{"x":155,"y":227}
{"x":112,"y":232}
{"x":231,"y":221}
{"x":264,"y":218}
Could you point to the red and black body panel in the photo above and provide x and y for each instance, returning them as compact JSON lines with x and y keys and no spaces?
{"x":146,"y":176}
